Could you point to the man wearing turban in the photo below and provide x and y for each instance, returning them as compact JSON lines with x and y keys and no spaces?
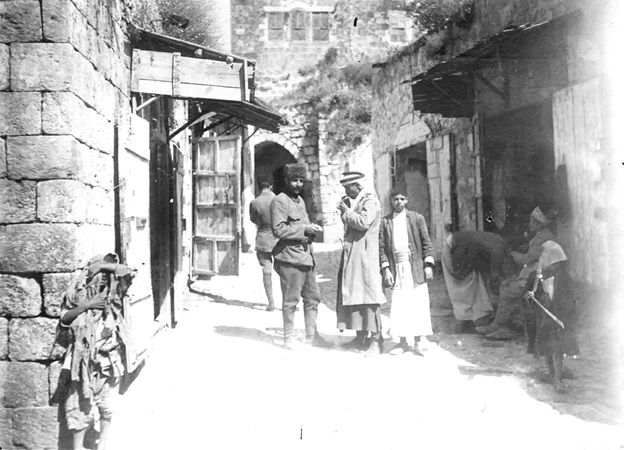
{"x":512,"y":288}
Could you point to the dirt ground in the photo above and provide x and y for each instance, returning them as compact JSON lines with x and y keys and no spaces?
{"x":222,"y":379}
{"x":598,"y":381}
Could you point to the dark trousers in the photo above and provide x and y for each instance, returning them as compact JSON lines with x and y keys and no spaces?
{"x":509,"y":308}
{"x":298,"y":282}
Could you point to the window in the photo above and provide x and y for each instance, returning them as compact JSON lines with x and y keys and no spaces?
{"x":276,"y":26}
{"x":397,"y":21}
{"x":297,"y":25}
{"x":320,"y":26}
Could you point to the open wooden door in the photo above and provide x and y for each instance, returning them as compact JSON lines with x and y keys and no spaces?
{"x":439,"y":176}
{"x":216,"y":206}
{"x":582,"y":225}
{"x":134,"y":238}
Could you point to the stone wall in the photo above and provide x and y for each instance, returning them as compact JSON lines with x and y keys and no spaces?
{"x":396,"y":125}
{"x":64,"y":86}
{"x":563,"y":53}
{"x":380,"y":27}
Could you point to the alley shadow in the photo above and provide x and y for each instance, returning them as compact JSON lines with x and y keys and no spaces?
{"x":215,"y":298}
{"x":587,"y":396}
{"x":252,"y":334}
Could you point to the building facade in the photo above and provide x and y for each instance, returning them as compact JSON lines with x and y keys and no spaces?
{"x":286,"y":36}
{"x":103,"y":143}
{"x":499,"y":117}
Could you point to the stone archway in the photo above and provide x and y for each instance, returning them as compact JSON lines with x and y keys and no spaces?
{"x":270,"y":158}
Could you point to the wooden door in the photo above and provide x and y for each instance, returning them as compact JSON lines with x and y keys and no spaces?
{"x":134,"y":238}
{"x":580,"y":164}
{"x":477,"y":125}
{"x":177,"y":246}
{"x":216,"y":206}
{"x":439,"y":176}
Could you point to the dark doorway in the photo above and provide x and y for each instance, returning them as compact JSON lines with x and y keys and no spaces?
{"x":270,"y":160}
{"x":411,"y":177}
{"x":519,"y":171}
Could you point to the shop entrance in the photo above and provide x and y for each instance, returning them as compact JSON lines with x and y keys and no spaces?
{"x":519,"y":169}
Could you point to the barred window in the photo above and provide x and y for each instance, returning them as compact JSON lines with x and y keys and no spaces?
{"x":320,"y":26}
{"x":276,"y":26}
{"x":297,"y":25}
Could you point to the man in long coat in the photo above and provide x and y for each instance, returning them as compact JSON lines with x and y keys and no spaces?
{"x":294,"y":261}
{"x":359,"y":281}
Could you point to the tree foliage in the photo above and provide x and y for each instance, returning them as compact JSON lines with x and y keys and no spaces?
{"x":190,"y":20}
{"x":339,"y":94}
{"x":438,"y":15}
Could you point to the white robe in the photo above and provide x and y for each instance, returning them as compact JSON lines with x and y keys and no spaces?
{"x":410,"y":313}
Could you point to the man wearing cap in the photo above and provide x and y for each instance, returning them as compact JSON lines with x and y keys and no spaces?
{"x":512,"y":288}
{"x":294,"y":261}
{"x":359,"y":281}
{"x":260,"y":215}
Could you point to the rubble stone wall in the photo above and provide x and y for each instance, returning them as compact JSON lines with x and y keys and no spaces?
{"x":64,"y":86}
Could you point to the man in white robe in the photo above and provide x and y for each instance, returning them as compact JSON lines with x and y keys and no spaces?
{"x":406,"y":262}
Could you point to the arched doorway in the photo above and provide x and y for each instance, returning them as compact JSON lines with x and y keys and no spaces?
{"x":270,"y":159}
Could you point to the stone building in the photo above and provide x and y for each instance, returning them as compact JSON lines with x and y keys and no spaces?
{"x":96,"y":120}
{"x":284,"y":36}
{"x":485,"y":122}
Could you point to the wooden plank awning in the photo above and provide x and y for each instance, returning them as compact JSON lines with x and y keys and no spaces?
{"x":164,"y":73}
{"x":253,"y":113}
{"x":447,"y":88}
{"x":162,"y":65}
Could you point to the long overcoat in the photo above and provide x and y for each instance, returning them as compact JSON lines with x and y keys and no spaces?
{"x":359,"y":275}
{"x":419,"y":245}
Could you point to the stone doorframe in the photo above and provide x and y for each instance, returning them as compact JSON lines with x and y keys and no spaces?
{"x":265,"y":136}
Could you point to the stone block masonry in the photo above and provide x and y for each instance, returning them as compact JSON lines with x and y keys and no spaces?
{"x":19,"y":296}
{"x":54,"y":287}
{"x":57,"y":157}
{"x":4,"y":340}
{"x":4,"y":67}
{"x":21,"y":21}
{"x":20,"y":113}
{"x":17,"y":201}
{"x":35,"y":428}
{"x":64,"y":85}
{"x":32,"y":339}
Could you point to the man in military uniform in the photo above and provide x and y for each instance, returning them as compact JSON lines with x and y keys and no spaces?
{"x":294,"y":261}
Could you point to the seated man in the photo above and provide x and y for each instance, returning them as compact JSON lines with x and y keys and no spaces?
{"x":472,"y":262}
{"x":509,"y":310}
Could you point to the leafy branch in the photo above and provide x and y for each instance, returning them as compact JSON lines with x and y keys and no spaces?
{"x":338,"y":94}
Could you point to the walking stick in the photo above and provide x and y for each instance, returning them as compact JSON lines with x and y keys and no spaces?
{"x":548,"y":313}
{"x":531,"y":295}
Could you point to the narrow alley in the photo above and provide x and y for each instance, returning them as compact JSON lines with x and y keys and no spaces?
{"x":221,"y":379}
